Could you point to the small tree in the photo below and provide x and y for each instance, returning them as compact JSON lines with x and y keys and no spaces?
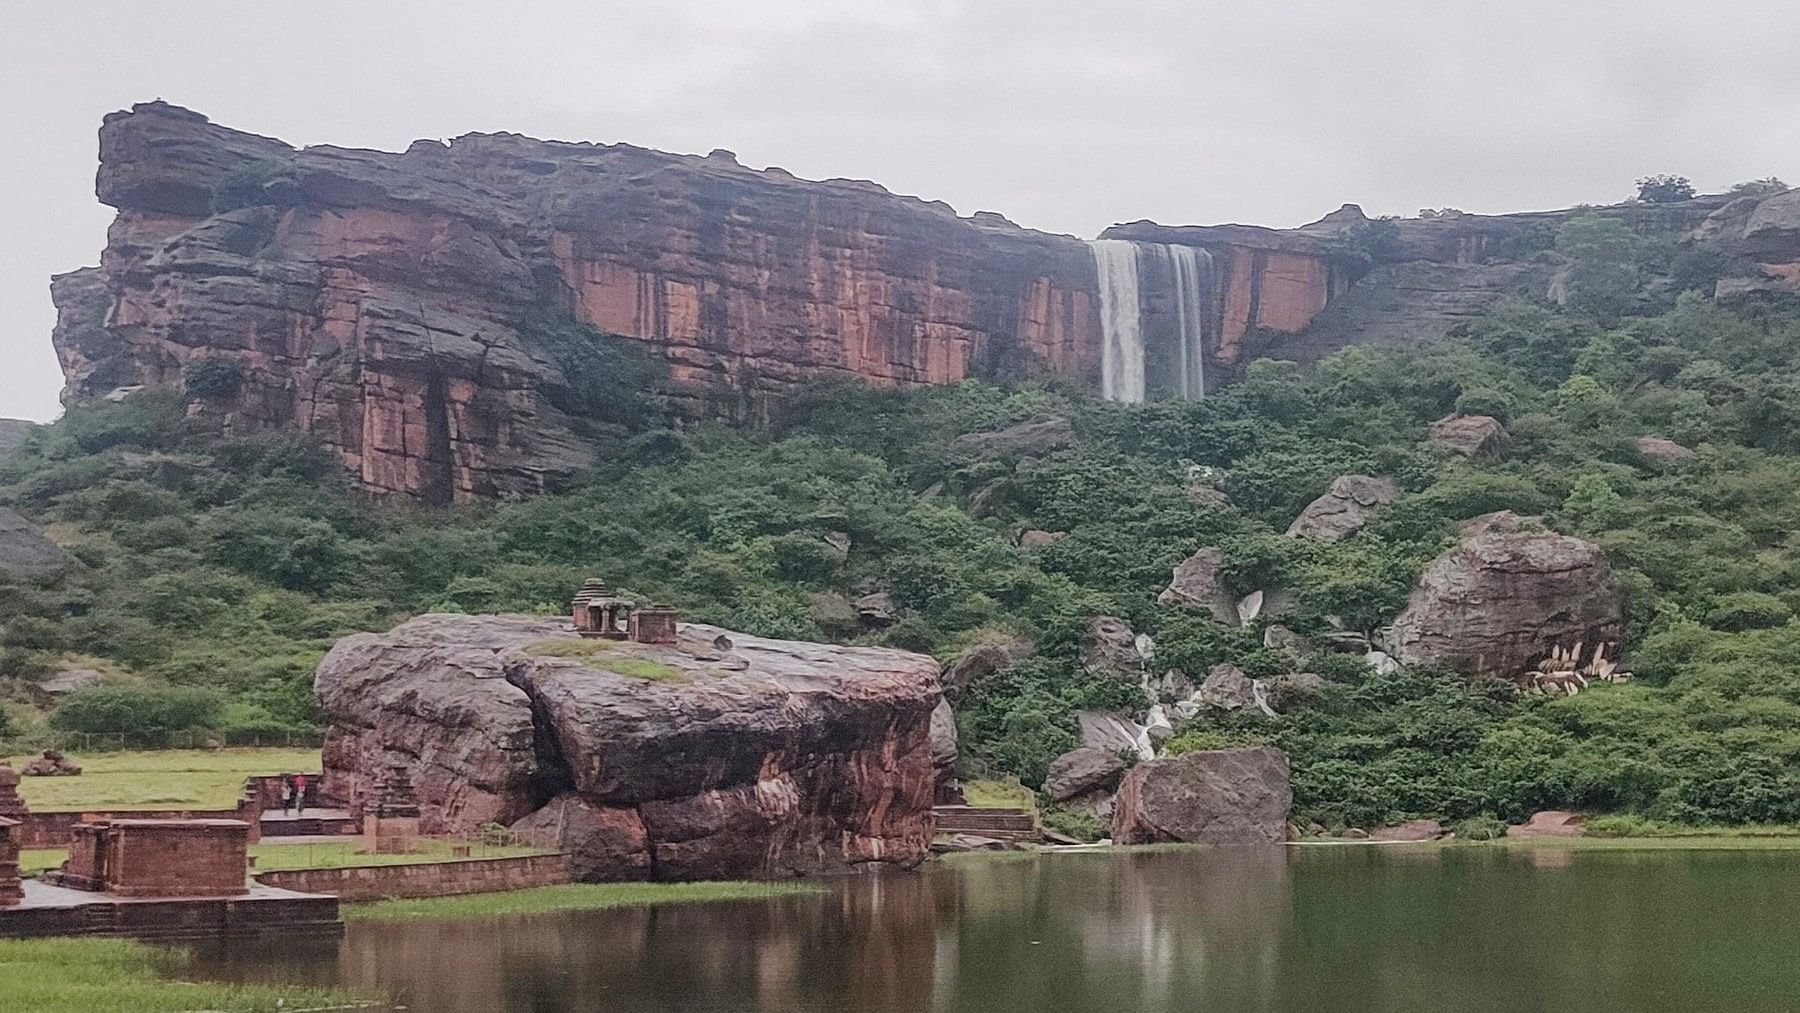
{"x":1664,"y":188}
{"x":1768,"y":186}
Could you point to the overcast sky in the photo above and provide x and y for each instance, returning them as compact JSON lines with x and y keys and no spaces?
{"x":1062,"y":116}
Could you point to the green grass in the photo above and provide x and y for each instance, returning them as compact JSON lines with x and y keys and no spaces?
{"x":34,"y":861}
{"x":999,"y":795}
{"x":574,"y":897}
{"x":595,"y":654}
{"x":121,"y":976}
{"x":165,"y":779}
{"x":347,"y":852}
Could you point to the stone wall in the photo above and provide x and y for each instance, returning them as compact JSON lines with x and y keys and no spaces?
{"x":435,"y":879}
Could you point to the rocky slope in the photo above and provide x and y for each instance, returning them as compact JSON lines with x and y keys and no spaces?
{"x":395,"y":304}
{"x":720,"y":756}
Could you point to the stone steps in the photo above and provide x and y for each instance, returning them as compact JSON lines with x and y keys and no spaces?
{"x":1000,"y":823}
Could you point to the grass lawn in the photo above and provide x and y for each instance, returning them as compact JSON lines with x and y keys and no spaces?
{"x":574,"y":897}
{"x":121,"y":976}
{"x":999,"y":795}
{"x":33,"y":861}
{"x":167,"y":779}
{"x":335,"y":854}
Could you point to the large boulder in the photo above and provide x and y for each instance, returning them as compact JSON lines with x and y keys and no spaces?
{"x":605,"y":844}
{"x":1226,"y":687}
{"x":1500,"y":601}
{"x":1224,"y":796}
{"x":1344,"y":508}
{"x":1083,"y":770}
{"x":1197,"y":582}
{"x":26,"y":553}
{"x":1469,"y":435}
{"x":1661,"y":451}
{"x":1026,"y":439}
{"x":943,"y":741}
{"x":1109,"y":647}
{"x":739,"y":756}
{"x":981,"y":661}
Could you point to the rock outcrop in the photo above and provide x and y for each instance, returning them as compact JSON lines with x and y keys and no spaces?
{"x":12,"y":433}
{"x":1660,"y":451}
{"x":1502,"y":600}
{"x":26,"y":553}
{"x":1226,"y":796}
{"x":1469,"y":435}
{"x":1345,"y":507}
{"x":1109,"y":647}
{"x":684,"y":761}
{"x":1197,"y":581}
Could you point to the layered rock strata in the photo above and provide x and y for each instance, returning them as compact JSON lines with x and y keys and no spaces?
{"x":685,"y":761}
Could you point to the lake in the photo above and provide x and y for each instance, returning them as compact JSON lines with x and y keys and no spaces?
{"x":1339,"y":928}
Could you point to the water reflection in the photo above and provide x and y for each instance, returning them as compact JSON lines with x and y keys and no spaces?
{"x":1235,"y":929}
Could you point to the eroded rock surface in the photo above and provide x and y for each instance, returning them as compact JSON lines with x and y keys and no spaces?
{"x":1225,"y":796}
{"x":1502,"y":600}
{"x":1197,"y":582}
{"x":768,"y":758}
{"x":1344,"y":508}
{"x":1469,"y":435}
{"x":26,"y":553}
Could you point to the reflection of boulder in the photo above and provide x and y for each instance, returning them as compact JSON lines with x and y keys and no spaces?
{"x":1224,"y":796}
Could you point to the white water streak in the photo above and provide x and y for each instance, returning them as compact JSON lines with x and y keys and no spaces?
{"x":1121,"y":320}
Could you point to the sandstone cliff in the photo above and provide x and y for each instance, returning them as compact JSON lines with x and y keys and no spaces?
{"x":720,"y":756}
{"x":394,"y":304}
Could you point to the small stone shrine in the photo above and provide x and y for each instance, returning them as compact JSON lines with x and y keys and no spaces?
{"x":12,"y":890}
{"x":11,"y":805}
{"x":391,"y":826}
{"x":596,"y":612}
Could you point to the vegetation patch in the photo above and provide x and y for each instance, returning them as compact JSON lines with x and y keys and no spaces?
{"x":349,"y":854}
{"x":582,"y":649}
{"x":168,"y":779}
{"x":573,"y":897}
{"x":992,"y":793}
{"x":121,"y":976}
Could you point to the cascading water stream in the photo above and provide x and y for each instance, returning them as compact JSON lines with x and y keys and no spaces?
{"x":1122,"y":349}
{"x":1190,"y":269}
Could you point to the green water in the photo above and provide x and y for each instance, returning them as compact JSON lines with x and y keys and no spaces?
{"x":1296,"y":929}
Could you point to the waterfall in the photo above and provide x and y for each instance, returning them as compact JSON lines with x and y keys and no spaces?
{"x":1194,"y":284}
{"x":1121,"y":330}
{"x":1192,"y":270}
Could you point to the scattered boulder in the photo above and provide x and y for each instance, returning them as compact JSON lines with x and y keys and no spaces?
{"x":1115,"y":733}
{"x":832,"y":611}
{"x":1110,"y":648}
{"x":1295,"y":690}
{"x":605,"y":844}
{"x":1277,"y":637}
{"x":1026,"y":439}
{"x":1499,"y":602}
{"x":769,"y":758}
{"x":26,"y":553}
{"x":1196,"y":582}
{"x":1083,"y":770}
{"x":1225,"y":796}
{"x":1039,"y":539}
{"x":981,"y":661}
{"x":1205,"y":494}
{"x":1412,"y":830}
{"x":52,"y":764}
{"x":67,"y":678}
{"x":1549,"y":823}
{"x":1469,"y":435}
{"x":1227,"y":688}
{"x":1656,"y":450}
{"x":1344,"y":508}
{"x":877,"y":610}
{"x":1499,"y":520}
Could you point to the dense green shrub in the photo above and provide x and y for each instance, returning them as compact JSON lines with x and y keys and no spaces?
{"x":1479,"y":828}
{"x":148,"y":712}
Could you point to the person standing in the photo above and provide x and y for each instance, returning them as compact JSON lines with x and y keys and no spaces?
{"x":287,"y":795}
{"x":300,"y":794}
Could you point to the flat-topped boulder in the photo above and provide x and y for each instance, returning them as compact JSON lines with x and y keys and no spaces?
{"x":737,"y":755}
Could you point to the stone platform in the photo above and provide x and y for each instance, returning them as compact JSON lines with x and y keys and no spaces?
{"x":313,"y":823}
{"x":58,"y":911}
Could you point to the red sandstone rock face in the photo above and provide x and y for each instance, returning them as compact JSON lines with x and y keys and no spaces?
{"x":375,"y":299}
{"x":771,"y":758}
